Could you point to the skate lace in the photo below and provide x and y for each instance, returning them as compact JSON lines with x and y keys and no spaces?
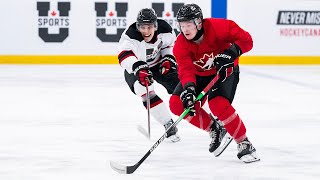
{"x":243,"y":145}
{"x":213,"y":135}
{"x":168,"y":125}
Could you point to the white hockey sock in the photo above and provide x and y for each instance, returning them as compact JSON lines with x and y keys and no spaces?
{"x":161,"y":113}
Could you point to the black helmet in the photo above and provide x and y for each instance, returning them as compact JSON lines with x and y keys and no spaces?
{"x":189,"y":12}
{"x":147,"y":15}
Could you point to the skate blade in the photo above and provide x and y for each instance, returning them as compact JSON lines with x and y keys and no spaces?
{"x":174,"y":138}
{"x":249,"y":158}
{"x":225,"y":143}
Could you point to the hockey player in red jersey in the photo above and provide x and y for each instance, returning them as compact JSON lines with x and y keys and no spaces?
{"x":145,"y":53}
{"x":203,"y":48}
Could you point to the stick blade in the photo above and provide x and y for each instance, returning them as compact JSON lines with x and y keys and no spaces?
{"x":118,"y":167}
{"x":143,"y":131}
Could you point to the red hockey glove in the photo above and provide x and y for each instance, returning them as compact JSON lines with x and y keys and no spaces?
{"x":142,"y":72}
{"x":168,"y":63}
{"x":188,"y":97}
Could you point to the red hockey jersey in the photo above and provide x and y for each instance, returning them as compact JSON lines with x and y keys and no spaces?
{"x":218,"y":36}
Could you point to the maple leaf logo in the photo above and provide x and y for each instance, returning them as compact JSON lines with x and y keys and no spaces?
{"x":205,"y":62}
{"x":111,"y":13}
{"x":53,"y":13}
{"x":168,"y":14}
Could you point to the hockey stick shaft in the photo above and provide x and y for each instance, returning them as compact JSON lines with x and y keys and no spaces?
{"x":130,"y":169}
{"x":148,"y":109}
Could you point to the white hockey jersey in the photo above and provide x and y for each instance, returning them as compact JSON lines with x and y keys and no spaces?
{"x":133,"y":48}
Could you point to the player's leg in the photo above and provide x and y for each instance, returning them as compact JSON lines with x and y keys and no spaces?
{"x":220,"y":99}
{"x":169,"y":81}
{"x":201,"y":120}
{"x":158,"y":109}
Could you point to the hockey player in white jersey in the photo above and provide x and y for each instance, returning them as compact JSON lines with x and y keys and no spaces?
{"x":145,"y":53}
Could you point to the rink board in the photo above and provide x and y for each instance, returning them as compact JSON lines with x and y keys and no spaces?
{"x":69,"y":59}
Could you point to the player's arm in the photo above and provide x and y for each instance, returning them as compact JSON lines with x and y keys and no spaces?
{"x":241,"y":39}
{"x":128,"y":60}
{"x":186,"y":70}
{"x":127,"y":52}
{"x":168,"y":62}
{"x":241,"y":42}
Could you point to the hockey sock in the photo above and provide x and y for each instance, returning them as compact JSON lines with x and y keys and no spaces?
{"x":202,"y":119}
{"x":221,"y":108}
{"x":158,"y":110}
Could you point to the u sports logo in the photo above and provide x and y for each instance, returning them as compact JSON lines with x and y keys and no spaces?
{"x":110,"y":24}
{"x":168,"y":15}
{"x":54,"y":25}
{"x":55,"y":20}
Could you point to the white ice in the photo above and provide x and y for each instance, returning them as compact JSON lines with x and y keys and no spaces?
{"x":66,"y":122}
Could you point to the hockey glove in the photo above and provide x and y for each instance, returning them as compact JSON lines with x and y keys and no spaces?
{"x":225,"y":60}
{"x":188,"y":97}
{"x":168,"y":63}
{"x":142,"y":72}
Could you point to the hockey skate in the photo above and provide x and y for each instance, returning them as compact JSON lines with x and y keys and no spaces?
{"x":220,"y":138}
{"x":172,"y":133}
{"x":247,"y":153}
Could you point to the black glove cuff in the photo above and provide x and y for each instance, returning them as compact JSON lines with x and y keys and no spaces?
{"x":169,"y":58}
{"x":190,"y":86}
{"x":190,"y":90}
{"x":138,"y":66}
{"x":234,"y":50}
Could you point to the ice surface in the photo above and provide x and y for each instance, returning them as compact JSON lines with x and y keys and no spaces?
{"x":66,"y":122}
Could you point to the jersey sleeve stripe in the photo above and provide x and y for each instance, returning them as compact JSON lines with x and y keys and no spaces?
{"x":166,"y":47}
{"x":124,"y":54}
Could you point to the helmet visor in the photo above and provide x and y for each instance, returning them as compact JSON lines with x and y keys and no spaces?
{"x":145,"y":26}
{"x":188,"y":24}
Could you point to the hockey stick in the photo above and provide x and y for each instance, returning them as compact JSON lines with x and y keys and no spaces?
{"x":143,"y":131}
{"x":139,"y":127}
{"x":148,"y":108}
{"x":122,"y":169}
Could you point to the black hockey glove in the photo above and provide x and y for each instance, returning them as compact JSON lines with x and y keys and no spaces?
{"x":168,"y":64}
{"x":226,"y":59}
{"x":142,"y":72}
{"x":188,"y":97}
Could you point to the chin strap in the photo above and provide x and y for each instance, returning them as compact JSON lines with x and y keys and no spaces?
{"x":199,"y":34}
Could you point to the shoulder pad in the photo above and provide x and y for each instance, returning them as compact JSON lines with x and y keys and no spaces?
{"x":133,"y":33}
{"x":164,"y":27}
